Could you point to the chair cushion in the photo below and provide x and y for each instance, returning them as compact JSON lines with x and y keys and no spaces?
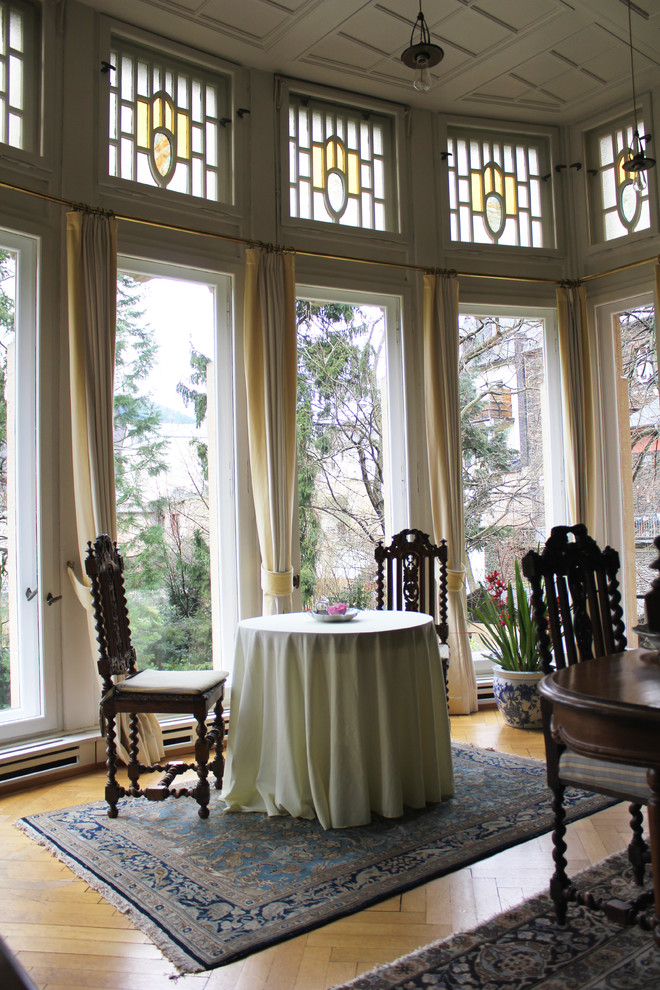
{"x":192,"y":682}
{"x":596,"y":775}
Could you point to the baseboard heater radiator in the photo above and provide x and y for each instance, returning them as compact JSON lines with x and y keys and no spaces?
{"x":32,"y":763}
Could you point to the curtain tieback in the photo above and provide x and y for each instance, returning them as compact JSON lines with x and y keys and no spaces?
{"x":455,"y":580}
{"x":277,"y":583}
{"x":82,"y":590}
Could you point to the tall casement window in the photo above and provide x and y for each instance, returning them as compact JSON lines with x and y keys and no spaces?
{"x":499,"y":191}
{"x":19,"y":74}
{"x":341,"y":165}
{"x":631,"y":423}
{"x":174,"y":456}
{"x":22,"y":693}
{"x":618,"y":200}
{"x":169,"y":123}
{"x":351,"y":446}
{"x":511,"y":428}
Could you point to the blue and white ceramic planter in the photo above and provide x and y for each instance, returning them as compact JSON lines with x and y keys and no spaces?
{"x":517,"y":697}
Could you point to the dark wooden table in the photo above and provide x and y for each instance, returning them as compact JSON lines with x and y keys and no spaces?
{"x":610,"y":708}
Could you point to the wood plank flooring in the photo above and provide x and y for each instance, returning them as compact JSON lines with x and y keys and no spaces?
{"x":66,"y":936}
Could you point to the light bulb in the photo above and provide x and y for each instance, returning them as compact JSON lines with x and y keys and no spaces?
{"x":639,"y":182}
{"x":422,"y":82}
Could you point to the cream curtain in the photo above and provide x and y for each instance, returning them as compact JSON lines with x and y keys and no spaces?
{"x":92,"y":292}
{"x":271,"y":382}
{"x":577,"y":379}
{"x":443,"y":432}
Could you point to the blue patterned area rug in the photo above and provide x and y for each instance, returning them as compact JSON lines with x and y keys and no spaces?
{"x":208,"y":892}
{"x":525,"y":949}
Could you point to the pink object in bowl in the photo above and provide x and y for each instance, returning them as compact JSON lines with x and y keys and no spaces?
{"x":338,"y":609}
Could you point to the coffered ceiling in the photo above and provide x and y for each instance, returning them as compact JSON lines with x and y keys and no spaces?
{"x":548,"y":61}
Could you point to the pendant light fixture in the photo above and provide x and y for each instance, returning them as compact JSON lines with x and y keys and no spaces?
{"x":421,"y":55}
{"x":640,"y":162}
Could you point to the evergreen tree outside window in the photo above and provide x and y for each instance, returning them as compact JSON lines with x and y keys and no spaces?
{"x":19,"y":74}
{"x":498,"y":189}
{"x":341,"y":165}
{"x":618,"y":200}
{"x":168,"y":124}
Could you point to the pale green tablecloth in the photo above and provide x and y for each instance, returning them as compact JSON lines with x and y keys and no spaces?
{"x":337,"y":719}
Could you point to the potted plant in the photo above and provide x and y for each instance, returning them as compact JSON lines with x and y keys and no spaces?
{"x":509,"y":636}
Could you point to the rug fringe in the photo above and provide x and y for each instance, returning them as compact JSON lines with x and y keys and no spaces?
{"x":179,"y":958}
{"x":471,"y":937}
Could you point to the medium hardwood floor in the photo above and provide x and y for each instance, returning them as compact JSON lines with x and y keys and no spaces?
{"x":66,"y":936}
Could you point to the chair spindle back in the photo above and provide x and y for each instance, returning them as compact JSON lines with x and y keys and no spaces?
{"x":576,"y":602}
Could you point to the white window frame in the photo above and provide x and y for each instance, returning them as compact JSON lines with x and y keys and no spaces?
{"x":553,"y":446}
{"x":164,"y":198}
{"x":222,"y":488}
{"x":594,"y":191}
{"x":396,"y":219}
{"x":37,"y":711}
{"x":544,"y":140}
{"x":31,"y":78}
{"x":614,"y":522}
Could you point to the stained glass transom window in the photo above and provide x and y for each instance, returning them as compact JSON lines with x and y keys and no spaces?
{"x":340,"y":165}
{"x":498,"y":190}
{"x":619,"y":200}
{"x":169,"y":124}
{"x":19,"y":75}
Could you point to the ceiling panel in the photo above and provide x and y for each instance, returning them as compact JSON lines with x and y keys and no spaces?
{"x":254,"y":17}
{"x":540,"y":60}
{"x":471,"y":31}
{"x":565,"y":86}
{"x":590,"y":42}
{"x":516,"y":14}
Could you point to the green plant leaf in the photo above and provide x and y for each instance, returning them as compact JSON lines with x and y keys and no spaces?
{"x":510,"y":635}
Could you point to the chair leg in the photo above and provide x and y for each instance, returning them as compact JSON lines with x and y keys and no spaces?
{"x":637,"y":850}
{"x":133,"y":768}
{"x":217,"y":767}
{"x":202,"y":791}
{"x":113,"y":791}
{"x":559,"y":881}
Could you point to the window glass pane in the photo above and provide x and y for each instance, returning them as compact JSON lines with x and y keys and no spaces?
{"x":640,"y":372}
{"x":165,"y":351}
{"x":15,"y":30}
{"x":175,"y":118}
{"x":10,"y":683}
{"x":618,"y":200}
{"x":342,"y":150}
{"x":21,"y":695}
{"x":341,"y":489}
{"x":19,"y":74}
{"x":501,"y":197}
{"x":502,"y":389}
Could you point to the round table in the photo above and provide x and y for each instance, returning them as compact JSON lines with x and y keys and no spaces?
{"x":609,"y":708}
{"x":337,"y":719}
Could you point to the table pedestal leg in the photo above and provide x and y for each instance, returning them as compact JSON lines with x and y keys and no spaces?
{"x":653,"y":777}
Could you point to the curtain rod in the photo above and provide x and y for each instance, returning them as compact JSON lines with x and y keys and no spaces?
{"x":406,"y":266}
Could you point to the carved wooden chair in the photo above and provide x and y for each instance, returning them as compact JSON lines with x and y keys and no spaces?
{"x":411,"y":576}
{"x":125,"y":690}
{"x":576,"y":607}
